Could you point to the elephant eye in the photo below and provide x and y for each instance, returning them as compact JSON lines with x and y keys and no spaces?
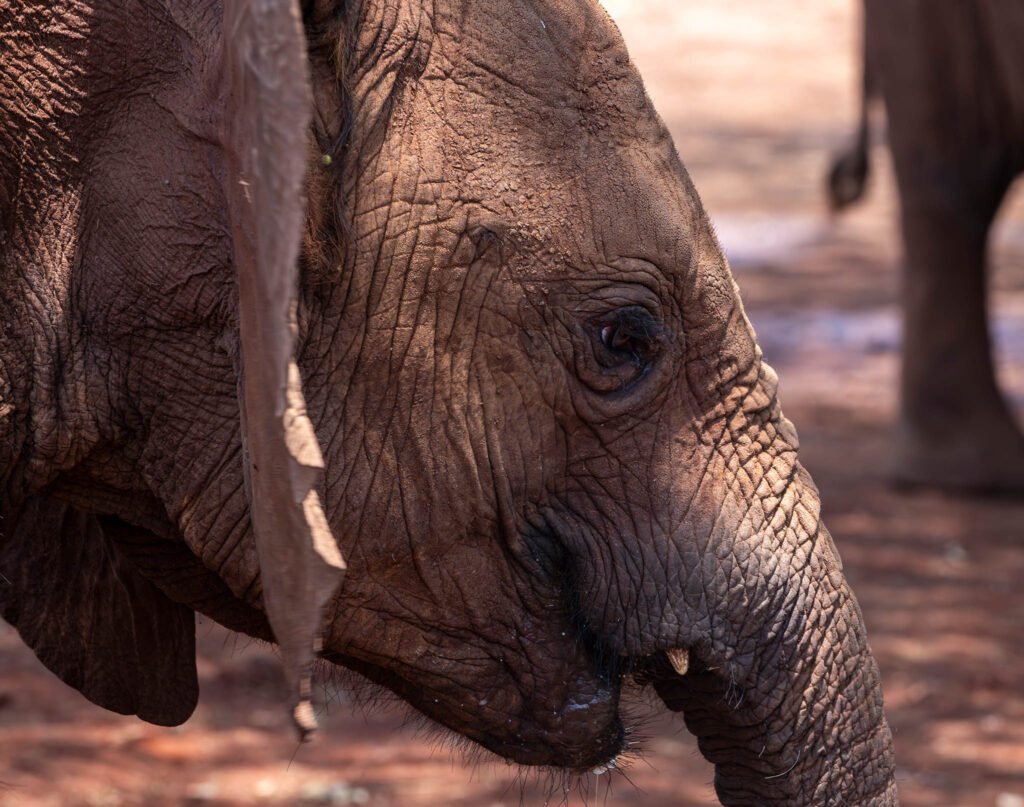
{"x":615,"y":338}
{"x":628,"y":336}
{"x":619,"y":348}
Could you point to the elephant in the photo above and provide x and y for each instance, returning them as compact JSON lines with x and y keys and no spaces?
{"x":950,"y":77}
{"x":395,"y":333}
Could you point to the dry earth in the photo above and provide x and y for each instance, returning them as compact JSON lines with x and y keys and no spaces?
{"x":757,"y":93}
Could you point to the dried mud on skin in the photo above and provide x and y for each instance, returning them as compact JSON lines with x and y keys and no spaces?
{"x":758,"y":95}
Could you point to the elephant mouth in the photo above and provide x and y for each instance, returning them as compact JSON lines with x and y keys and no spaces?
{"x":590,"y":736}
{"x":550,"y":699}
{"x":585,"y":733}
{"x":674,"y":672}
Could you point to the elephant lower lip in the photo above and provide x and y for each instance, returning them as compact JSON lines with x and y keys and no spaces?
{"x":581,"y":734}
{"x":588,"y":732}
{"x":581,"y":750}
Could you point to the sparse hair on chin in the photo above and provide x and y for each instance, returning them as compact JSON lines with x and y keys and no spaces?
{"x":339,"y":685}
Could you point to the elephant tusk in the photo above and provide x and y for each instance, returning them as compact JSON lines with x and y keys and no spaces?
{"x":679,"y":658}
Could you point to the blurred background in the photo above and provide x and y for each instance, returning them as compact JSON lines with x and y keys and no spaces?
{"x":758,"y":94}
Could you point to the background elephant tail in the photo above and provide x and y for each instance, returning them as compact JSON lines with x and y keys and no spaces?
{"x":849,"y":170}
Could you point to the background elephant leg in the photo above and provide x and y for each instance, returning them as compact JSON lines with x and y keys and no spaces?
{"x":956,"y":429}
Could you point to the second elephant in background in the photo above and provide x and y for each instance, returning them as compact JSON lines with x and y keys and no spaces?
{"x":951,"y":74}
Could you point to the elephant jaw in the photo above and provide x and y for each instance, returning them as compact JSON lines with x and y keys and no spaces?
{"x":568,"y":719}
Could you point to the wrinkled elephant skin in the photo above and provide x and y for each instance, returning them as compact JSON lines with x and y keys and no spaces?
{"x":552,"y":455}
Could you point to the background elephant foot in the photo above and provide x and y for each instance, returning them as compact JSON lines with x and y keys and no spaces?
{"x":983,"y":458}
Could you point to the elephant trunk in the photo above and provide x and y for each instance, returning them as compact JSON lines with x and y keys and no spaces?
{"x":782,"y":690}
{"x":732,"y":602}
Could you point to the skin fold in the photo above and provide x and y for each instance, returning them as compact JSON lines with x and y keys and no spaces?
{"x":950,"y":77}
{"x":551,"y":449}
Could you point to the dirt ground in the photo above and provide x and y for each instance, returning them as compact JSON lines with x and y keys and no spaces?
{"x":757,"y":94}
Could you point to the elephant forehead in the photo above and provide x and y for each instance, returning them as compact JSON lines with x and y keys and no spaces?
{"x":525,"y":118}
{"x":508,"y":83}
{"x":548,"y":49}
{"x":559,"y":54}
{"x":553,"y":76}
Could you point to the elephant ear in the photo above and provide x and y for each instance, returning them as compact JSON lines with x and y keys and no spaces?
{"x":269,"y":111}
{"x":92,"y":618}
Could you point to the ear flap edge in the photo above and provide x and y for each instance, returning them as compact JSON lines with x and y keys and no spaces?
{"x":92,"y":618}
{"x":300,"y":564}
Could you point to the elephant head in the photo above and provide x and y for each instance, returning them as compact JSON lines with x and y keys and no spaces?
{"x":552,"y":454}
